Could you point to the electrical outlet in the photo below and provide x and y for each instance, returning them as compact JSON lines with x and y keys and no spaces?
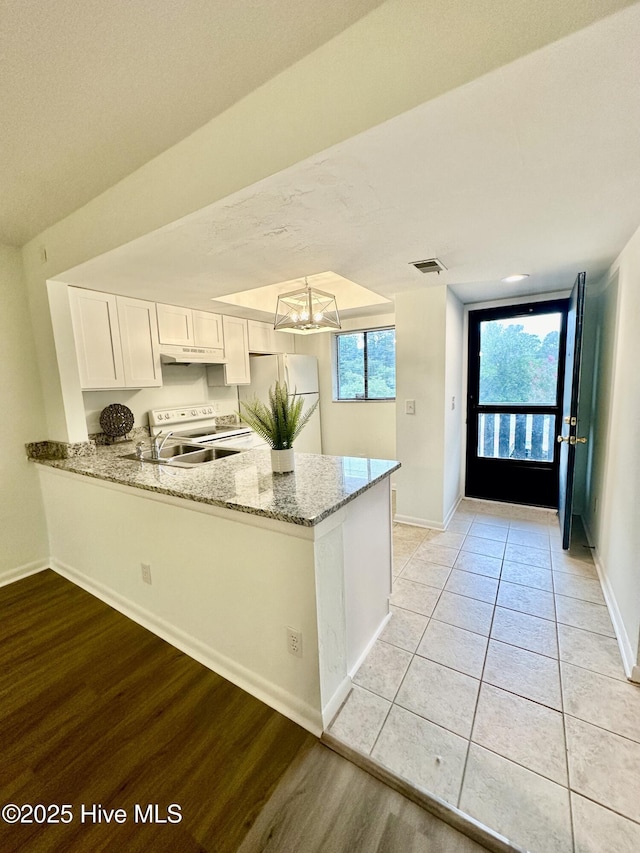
{"x":294,"y":642}
{"x":146,"y":572}
{"x":453,"y":404}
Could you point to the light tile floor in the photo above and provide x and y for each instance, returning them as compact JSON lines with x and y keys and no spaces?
{"x":498,"y":684}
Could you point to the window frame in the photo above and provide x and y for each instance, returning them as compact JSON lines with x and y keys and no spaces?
{"x":336,"y":365}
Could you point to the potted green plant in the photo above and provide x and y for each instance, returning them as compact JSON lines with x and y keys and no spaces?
{"x":278,"y":422}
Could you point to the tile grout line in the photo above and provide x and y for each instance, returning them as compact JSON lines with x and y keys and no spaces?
{"x":608,"y":808}
{"x":473,"y":718}
{"x":607,"y":731}
{"x":392,"y":701}
{"x":413,"y":656}
{"x":481,"y":682}
{"x":564,"y":718}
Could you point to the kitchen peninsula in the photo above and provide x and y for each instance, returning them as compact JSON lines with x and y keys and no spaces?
{"x":239,"y":559}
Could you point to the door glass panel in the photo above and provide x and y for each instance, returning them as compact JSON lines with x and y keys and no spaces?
{"x":516,"y":436}
{"x":519,"y":360}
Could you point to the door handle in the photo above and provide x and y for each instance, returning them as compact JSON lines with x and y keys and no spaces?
{"x":571,"y":439}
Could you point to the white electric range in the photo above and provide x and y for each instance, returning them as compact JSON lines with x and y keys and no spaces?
{"x":197,"y":424}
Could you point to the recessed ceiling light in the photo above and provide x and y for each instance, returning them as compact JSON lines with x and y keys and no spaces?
{"x":520,"y":276}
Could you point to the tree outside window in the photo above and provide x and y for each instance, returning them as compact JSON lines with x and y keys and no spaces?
{"x":366,"y":365}
{"x":519,"y":360}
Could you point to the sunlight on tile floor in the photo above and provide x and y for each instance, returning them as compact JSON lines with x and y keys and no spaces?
{"x":498,"y":684}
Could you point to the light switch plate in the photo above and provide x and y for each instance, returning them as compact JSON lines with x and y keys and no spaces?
{"x":409,"y":407}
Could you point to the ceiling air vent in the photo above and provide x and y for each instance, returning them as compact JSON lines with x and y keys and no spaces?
{"x":430,"y":265}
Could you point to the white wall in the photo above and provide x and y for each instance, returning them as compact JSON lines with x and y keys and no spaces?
{"x":23,"y":536}
{"x":612,"y":514}
{"x":182,"y":384}
{"x":366,"y":428}
{"x":421,"y":327}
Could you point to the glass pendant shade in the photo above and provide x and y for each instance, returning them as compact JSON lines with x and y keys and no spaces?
{"x":306,"y":310}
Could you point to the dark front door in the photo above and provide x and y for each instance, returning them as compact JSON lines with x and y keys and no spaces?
{"x":568,"y":432}
{"x":514,"y":402}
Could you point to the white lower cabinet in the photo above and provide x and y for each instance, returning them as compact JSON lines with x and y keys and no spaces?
{"x":116,"y":340}
{"x":236,"y":351}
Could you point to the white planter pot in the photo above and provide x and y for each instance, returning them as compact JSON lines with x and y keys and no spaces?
{"x":282,"y":461}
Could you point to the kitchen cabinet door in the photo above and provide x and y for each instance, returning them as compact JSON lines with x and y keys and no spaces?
{"x":207,"y":329}
{"x":139,"y":339}
{"x":96,"y":331}
{"x":236,"y":352}
{"x":175,"y":325}
{"x":284,"y":342}
{"x":263,"y":338}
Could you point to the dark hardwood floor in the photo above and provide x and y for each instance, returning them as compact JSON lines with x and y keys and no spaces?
{"x":97,"y":711}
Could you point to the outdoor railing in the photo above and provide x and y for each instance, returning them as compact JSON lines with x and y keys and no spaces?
{"x":516,"y":436}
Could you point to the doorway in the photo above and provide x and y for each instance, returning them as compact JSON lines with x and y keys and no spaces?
{"x":514,"y":402}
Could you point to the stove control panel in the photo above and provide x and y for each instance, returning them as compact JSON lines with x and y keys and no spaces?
{"x":160,"y":417}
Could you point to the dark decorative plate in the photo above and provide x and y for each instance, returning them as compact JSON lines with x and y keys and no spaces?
{"x":116,"y":420}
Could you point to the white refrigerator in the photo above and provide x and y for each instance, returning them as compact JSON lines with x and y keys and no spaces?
{"x":300,"y":372}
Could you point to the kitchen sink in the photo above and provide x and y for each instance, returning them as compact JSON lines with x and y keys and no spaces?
{"x":171,"y":450}
{"x":208,"y":454}
{"x":184,"y":455}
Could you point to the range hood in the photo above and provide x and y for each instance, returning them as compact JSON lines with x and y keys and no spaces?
{"x":173,"y":354}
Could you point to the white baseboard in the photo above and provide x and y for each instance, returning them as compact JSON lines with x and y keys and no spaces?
{"x":452,"y":511}
{"x":429,"y":523}
{"x":419,"y":522}
{"x":290,"y":706}
{"x":335,"y":703}
{"x":356,"y":666}
{"x":629,"y":657}
{"x":13,"y":575}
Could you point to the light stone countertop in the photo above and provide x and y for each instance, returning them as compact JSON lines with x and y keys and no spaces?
{"x":244,"y":482}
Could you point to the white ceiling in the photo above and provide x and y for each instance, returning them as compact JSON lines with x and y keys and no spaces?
{"x":534,"y":167}
{"x":92,"y":89}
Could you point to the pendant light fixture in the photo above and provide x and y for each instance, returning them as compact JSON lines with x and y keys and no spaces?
{"x":306,"y":310}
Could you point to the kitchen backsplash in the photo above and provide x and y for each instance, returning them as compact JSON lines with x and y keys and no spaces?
{"x":183,"y":384}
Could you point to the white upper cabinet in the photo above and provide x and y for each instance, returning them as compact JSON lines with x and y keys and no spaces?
{"x":175,"y":325}
{"x":263,"y":338}
{"x":236,"y":352}
{"x":139,"y":338}
{"x":186,"y":327}
{"x":97,"y":335}
{"x":116,"y":340}
{"x":207,"y":330}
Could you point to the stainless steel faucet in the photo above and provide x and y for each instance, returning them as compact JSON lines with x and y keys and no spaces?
{"x":157,"y":445}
